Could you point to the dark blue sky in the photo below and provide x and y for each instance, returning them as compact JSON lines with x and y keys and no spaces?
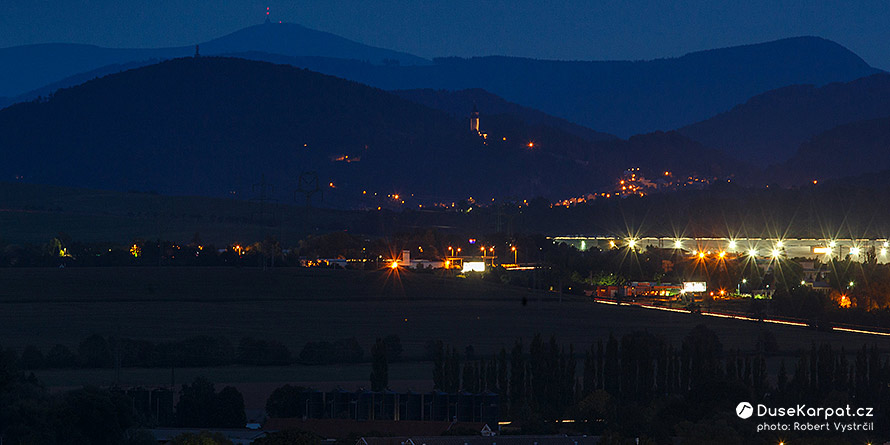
{"x":590,"y":30}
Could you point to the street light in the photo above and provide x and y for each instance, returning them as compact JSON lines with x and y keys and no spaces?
{"x":752,"y":253}
{"x":514,"y":255}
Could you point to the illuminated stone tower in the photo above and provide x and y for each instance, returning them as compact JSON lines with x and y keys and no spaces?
{"x":474,"y":120}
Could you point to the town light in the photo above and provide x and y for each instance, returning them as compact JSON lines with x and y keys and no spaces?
{"x":732,"y":244}
{"x":776,"y":253}
{"x":854,"y":251}
{"x":721,"y":254}
{"x":752,"y":252}
{"x":780,"y":244}
{"x":832,"y":244}
{"x":631,"y":243}
{"x":678,"y":244}
{"x":394,"y":264}
{"x":701,"y":255}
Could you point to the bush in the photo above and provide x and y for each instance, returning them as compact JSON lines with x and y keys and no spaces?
{"x":94,"y":352}
{"x":31,"y":358}
{"x":202,"y":438}
{"x":262,"y":353}
{"x":393,"y":347}
{"x":345,"y":350}
{"x":200,"y":406}
{"x":59,"y":356}
{"x":287,"y":401}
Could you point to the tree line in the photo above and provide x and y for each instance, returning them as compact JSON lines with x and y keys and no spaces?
{"x":639,"y":384}
{"x":98,"y":351}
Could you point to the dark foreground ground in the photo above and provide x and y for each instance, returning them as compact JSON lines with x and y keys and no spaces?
{"x":44,"y":307}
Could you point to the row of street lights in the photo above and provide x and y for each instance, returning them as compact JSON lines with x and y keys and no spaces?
{"x":483,"y":250}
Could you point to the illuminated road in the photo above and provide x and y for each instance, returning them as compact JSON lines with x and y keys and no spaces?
{"x":786,"y":321}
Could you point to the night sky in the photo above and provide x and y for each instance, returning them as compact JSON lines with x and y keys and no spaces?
{"x":590,"y":30}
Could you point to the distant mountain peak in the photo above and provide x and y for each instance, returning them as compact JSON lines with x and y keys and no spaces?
{"x":292,"y":39}
{"x":797,"y":49}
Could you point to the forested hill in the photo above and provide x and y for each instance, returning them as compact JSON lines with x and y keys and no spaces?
{"x":770,"y":127}
{"x":223,"y":126}
{"x":460,"y":103}
{"x":620,"y":97}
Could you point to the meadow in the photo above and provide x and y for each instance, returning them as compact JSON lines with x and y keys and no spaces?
{"x":46,"y":306}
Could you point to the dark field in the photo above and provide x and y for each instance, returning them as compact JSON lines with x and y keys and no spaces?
{"x":48,"y":306}
{"x":32,"y":213}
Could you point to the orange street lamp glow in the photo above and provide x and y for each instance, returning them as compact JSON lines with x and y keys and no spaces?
{"x":394,"y":264}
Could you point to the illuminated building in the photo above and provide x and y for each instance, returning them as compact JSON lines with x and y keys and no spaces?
{"x":474,"y":120}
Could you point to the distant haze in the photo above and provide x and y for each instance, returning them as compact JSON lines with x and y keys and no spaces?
{"x":575,"y":29}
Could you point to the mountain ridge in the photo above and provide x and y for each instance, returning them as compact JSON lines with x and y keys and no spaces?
{"x":771,"y":126}
{"x":214,"y":126}
{"x":618,"y":97}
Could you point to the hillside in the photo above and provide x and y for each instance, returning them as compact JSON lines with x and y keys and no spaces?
{"x":621,"y":97}
{"x":291,"y":39}
{"x":617,"y":97}
{"x":31,"y":67}
{"x":73,"y":80}
{"x":460,"y":103}
{"x":855,"y":149}
{"x":222,"y":127}
{"x":769,"y":128}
